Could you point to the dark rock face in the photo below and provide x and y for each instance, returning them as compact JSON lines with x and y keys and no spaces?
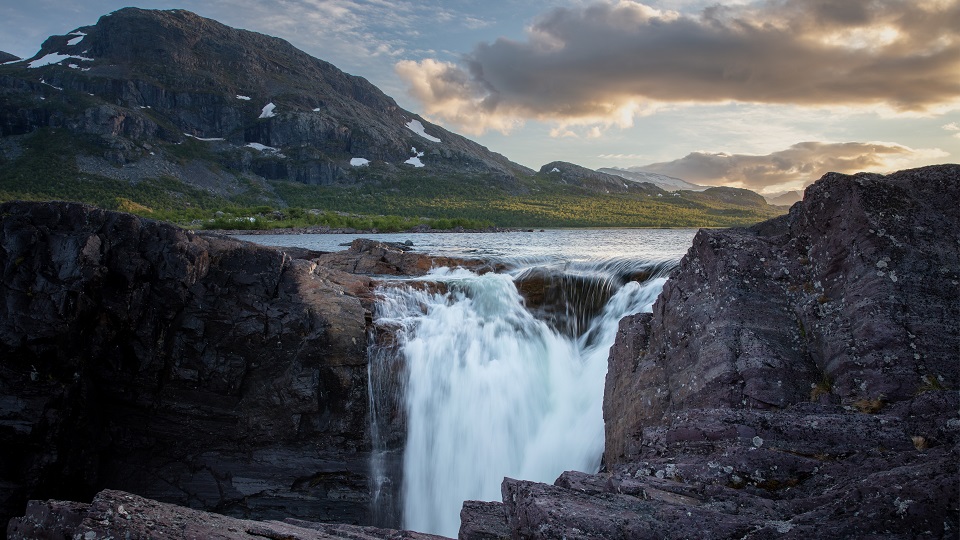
{"x":796,"y":379}
{"x":853,"y":296}
{"x":115,"y":514}
{"x":193,"y":369}
{"x":7,"y":57}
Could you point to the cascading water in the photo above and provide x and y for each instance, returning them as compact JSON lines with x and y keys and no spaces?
{"x":484,"y":389}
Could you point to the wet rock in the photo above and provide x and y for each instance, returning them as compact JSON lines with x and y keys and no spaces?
{"x":481,"y":520}
{"x":372,"y":257}
{"x":115,"y":514}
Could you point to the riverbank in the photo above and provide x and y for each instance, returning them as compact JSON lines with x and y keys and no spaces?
{"x":350,"y":230}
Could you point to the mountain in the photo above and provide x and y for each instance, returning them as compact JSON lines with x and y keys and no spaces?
{"x":7,"y":57}
{"x":146,"y":81}
{"x":731,"y":195}
{"x":598,"y":181}
{"x":667,"y":183}
{"x":177,"y":117}
{"x":784,"y":199}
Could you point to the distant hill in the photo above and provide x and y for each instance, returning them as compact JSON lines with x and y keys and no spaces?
{"x":785,"y":199}
{"x":599,"y":181}
{"x":667,"y":183}
{"x":7,"y":57}
{"x":730,"y":195}
{"x":171,"y":115}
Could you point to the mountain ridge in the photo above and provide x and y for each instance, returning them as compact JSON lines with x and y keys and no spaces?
{"x":197,"y":77}
{"x":179,"y":117}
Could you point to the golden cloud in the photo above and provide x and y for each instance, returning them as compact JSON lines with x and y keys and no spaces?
{"x":612,"y":60}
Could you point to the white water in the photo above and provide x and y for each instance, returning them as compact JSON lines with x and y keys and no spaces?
{"x":489,"y":391}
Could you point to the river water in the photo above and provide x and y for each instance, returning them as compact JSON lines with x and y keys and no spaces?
{"x":496,"y":375}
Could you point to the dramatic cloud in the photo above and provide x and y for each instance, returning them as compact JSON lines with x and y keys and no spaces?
{"x":793,"y":168}
{"x":611,"y":61}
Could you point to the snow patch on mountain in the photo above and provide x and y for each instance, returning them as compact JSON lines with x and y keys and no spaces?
{"x":265,"y":148}
{"x":55,"y":58}
{"x":78,"y":39}
{"x":662,"y":181}
{"x":415,"y":160}
{"x":267,"y":111}
{"x":416,"y":127}
{"x":208,"y":139}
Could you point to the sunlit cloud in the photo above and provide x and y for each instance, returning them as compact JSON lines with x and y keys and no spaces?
{"x":610,"y":62}
{"x":794,"y":167}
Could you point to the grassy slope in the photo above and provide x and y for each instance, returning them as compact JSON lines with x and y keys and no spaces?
{"x":46,"y":170}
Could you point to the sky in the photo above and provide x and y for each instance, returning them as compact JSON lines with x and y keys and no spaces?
{"x":767,"y":95}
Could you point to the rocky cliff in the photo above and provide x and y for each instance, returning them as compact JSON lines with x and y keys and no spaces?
{"x":193,"y":369}
{"x":796,"y":379}
{"x":141,"y":81}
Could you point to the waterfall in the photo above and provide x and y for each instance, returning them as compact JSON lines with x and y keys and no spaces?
{"x":482,"y":388}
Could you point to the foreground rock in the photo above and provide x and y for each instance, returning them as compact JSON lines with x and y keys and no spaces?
{"x":115,"y":514}
{"x":371,"y":257}
{"x":796,"y":379}
{"x":192,"y":369}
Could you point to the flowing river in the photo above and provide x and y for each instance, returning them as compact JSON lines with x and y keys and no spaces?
{"x":476,"y":377}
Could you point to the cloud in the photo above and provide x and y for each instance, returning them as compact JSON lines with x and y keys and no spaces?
{"x":952,"y":126}
{"x":356,"y":35}
{"x":611,"y":61}
{"x":793,"y":168}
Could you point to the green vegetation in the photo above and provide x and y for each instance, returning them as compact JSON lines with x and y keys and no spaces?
{"x":386,"y":200}
{"x":533,"y":202}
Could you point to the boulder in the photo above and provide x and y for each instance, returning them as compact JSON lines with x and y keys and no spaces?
{"x":116,"y":514}
{"x":851,"y":298}
{"x":372,"y":257}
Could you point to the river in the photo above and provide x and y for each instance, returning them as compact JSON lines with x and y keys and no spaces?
{"x":497,"y":375}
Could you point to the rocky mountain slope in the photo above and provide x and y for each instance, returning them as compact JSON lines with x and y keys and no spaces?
{"x":253,"y":107}
{"x":572,"y":174}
